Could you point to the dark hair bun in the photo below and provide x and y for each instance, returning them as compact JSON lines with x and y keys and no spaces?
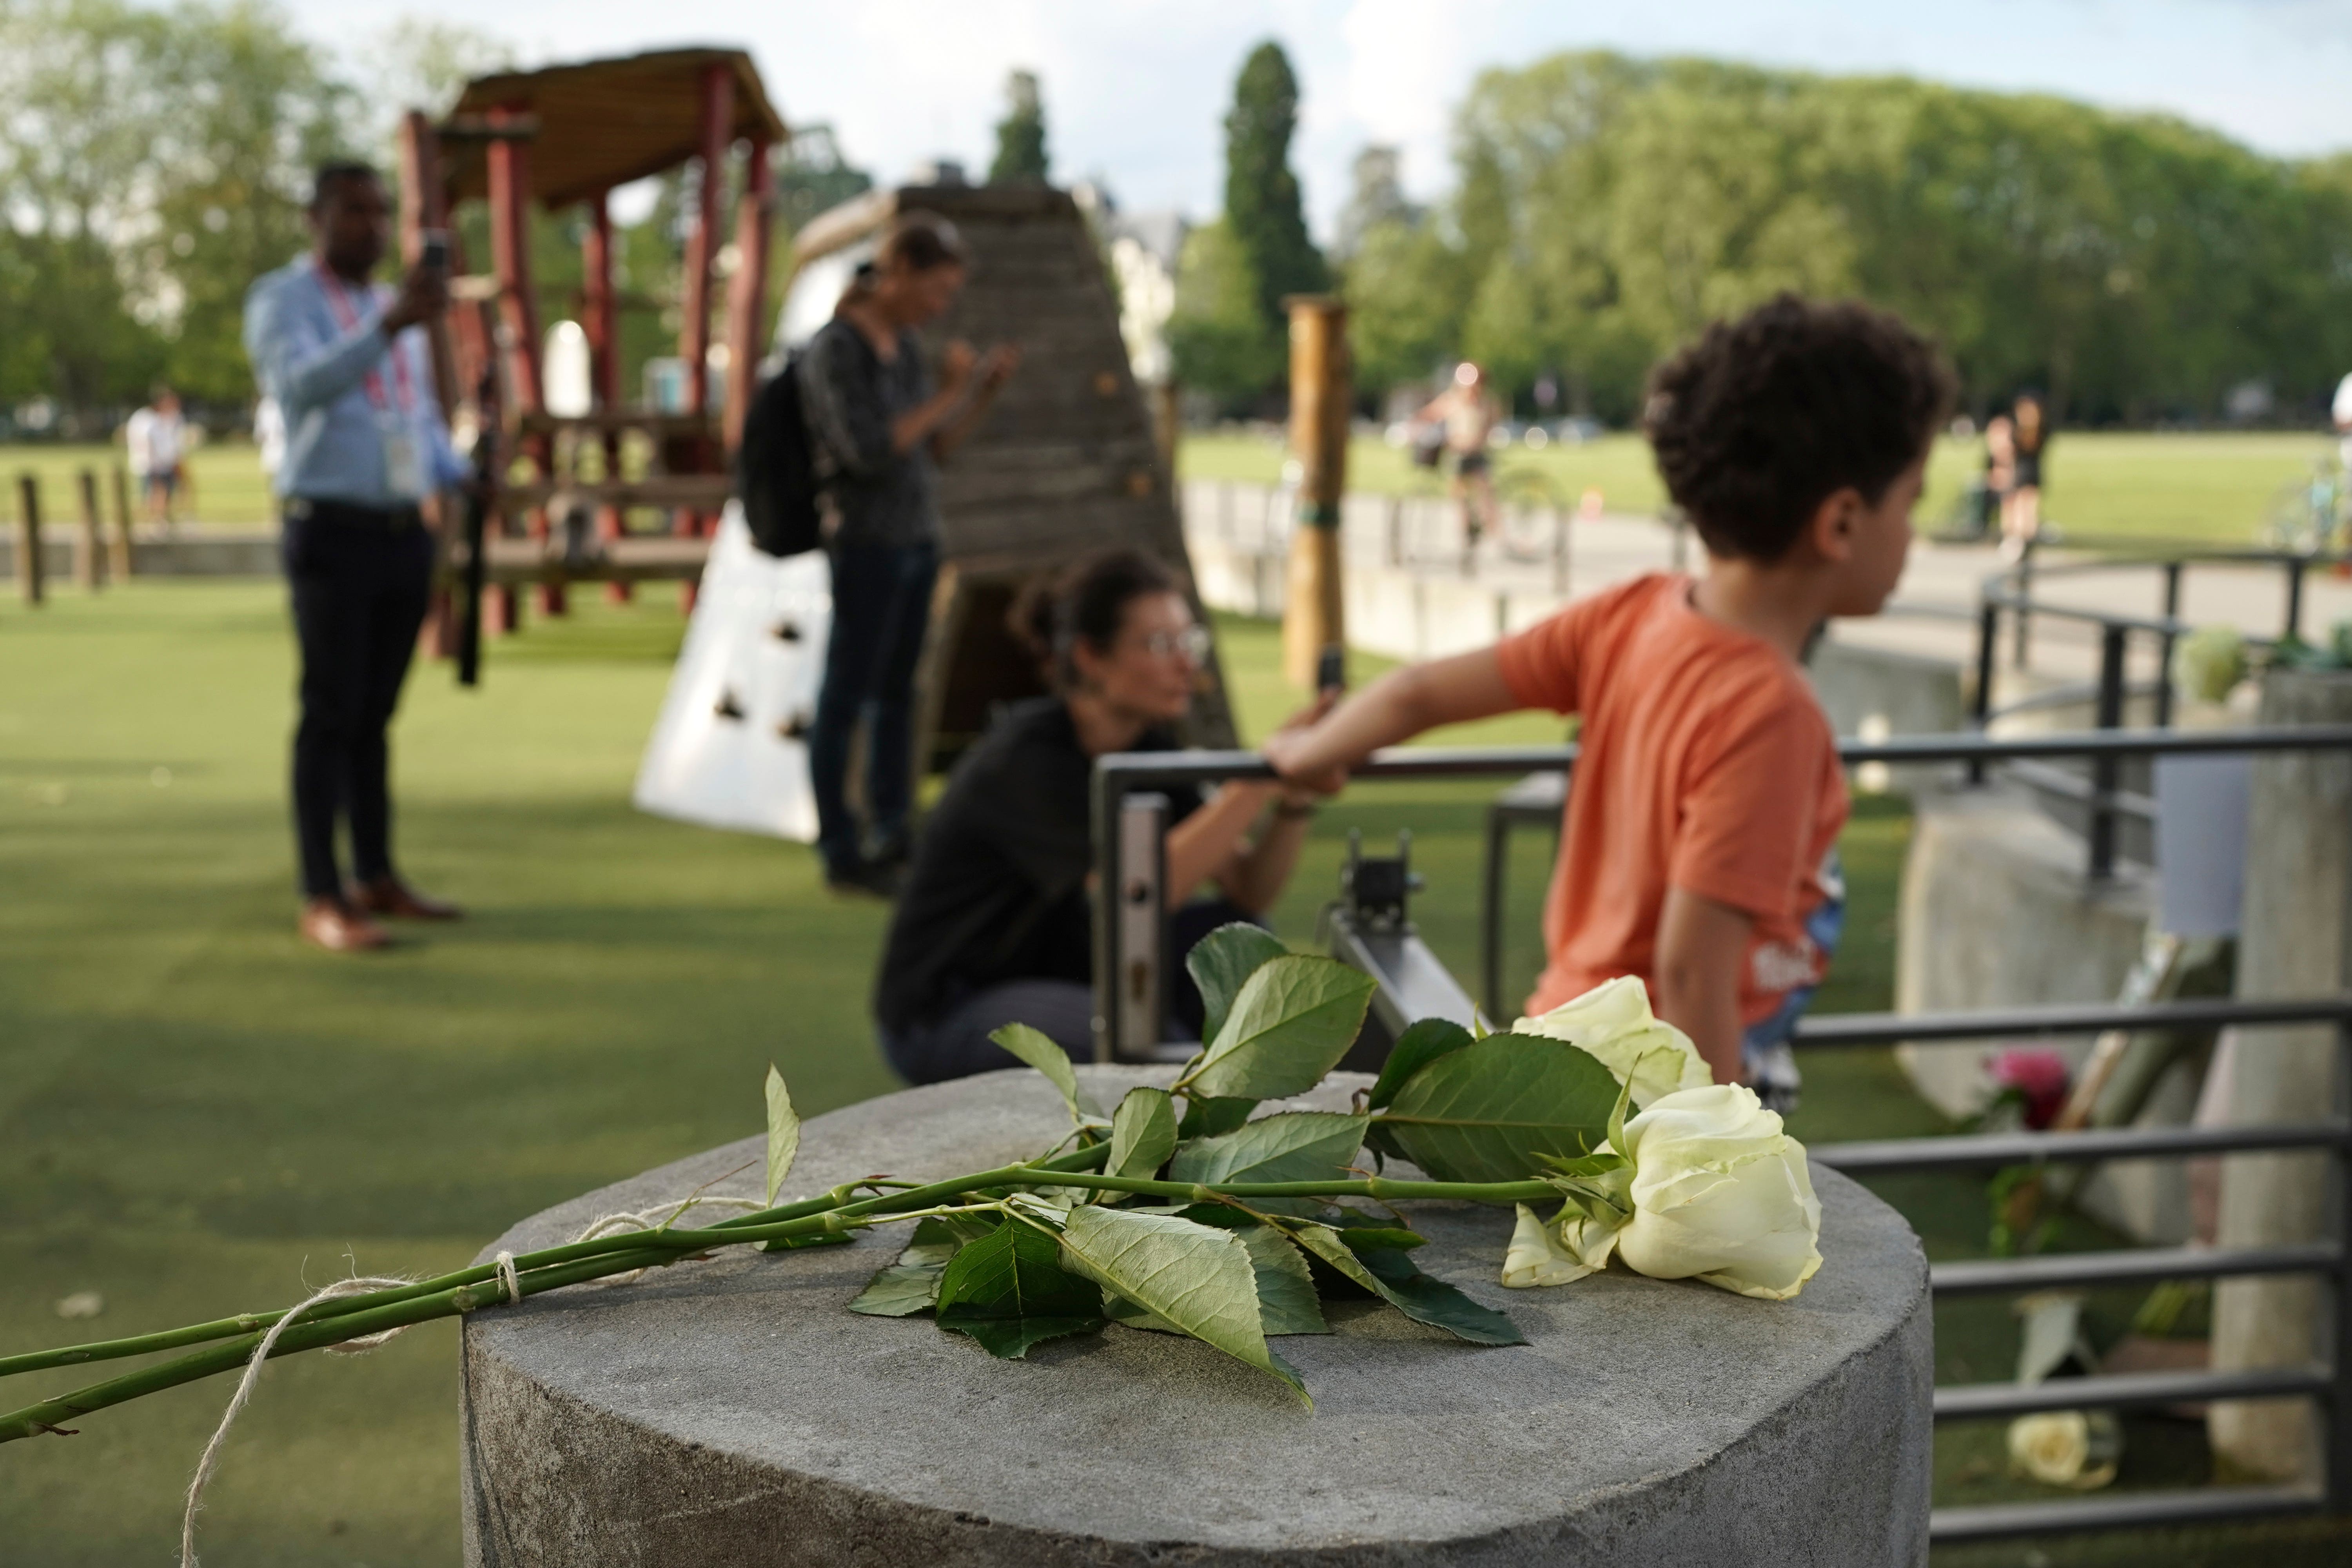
{"x":1085,"y":601}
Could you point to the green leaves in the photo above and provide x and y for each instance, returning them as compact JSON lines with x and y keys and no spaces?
{"x":1293,"y":1019}
{"x":1293,"y":1146}
{"x":1392,"y":1277}
{"x":1222,"y":962}
{"x":1486,"y":1111}
{"x":1143,"y":1133}
{"x":1032,"y":1047}
{"x":1419,"y":1046}
{"x":1205,"y":1117}
{"x":783,"y":1132}
{"x":1200,"y":1280}
{"x":1286,"y":1302}
{"x":911,"y":1285}
{"x":1008,"y":1290}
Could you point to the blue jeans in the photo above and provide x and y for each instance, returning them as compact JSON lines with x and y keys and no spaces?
{"x":1764,"y":1047}
{"x":881,"y":609}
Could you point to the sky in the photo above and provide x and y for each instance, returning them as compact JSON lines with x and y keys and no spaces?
{"x":1135,"y":89}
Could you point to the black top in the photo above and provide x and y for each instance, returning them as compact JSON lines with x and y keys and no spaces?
{"x":998,"y":888}
{"x":850,"y":395}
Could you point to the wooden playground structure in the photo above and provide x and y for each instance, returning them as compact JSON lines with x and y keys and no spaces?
{"x":567,"y":136}
{"x":1067,"y":460}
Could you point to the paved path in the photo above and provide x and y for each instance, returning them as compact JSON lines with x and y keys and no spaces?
{"x":1932,"y":613}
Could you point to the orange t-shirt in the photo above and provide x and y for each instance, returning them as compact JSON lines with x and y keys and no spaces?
{"x":1705,"y":763}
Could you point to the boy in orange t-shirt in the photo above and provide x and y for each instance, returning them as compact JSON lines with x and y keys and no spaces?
{"x":1698,"y":850}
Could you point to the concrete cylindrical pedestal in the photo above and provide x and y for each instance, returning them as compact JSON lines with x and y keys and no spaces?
{"x":2294,"y":940}
{"x":734,"y":1411}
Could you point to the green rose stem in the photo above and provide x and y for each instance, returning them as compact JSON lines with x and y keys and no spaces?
{"x":629,"y":1241}
{"x":553,"y":1267}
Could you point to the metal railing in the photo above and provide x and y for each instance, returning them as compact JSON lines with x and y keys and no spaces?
{"x":1132,"y":969}
{"x":2012,"y":593}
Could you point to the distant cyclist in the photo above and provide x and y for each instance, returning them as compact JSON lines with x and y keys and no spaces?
{"x":1469,"y":414}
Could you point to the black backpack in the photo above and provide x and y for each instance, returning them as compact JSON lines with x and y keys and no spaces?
{"x":775,"y":470}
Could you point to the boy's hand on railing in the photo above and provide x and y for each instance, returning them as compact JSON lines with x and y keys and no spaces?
{"x":1286,"y":750}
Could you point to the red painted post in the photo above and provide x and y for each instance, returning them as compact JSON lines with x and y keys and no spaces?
{"x":747,"y":296}
{"x":701,"y":249}
{"x":422,"y":206}
{"x":509,"y":181}
{"x":603,"y":325}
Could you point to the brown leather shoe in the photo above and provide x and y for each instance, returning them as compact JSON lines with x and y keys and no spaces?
{"x":334,"y":925}
{"x":391,"y":896}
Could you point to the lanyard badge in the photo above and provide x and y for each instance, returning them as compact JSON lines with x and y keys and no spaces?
{"x":396,"y":413}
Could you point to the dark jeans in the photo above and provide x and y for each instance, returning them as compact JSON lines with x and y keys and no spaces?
{"x":360,"y":583}
{"x":881,"y":608}
{"x":956,"y":1043}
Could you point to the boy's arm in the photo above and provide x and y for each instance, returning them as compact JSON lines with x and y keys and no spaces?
{"x":1701,"y":945}
{"x":1398,"y":706}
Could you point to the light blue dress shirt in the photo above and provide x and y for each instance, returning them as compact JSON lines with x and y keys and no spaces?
{"x":317,"y":369}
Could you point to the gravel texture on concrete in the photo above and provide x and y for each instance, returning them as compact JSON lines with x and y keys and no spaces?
{"x":734,"y":1411}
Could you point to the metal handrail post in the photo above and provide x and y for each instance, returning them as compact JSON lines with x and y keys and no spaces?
{"x":1988,"y":641}
{"x":2339,"y":1398}
{"x":2294,"y":570}
{"x":2107,"y":770}
{"x":2164,"y":642}
{"x":2021,"y":651}
{"x":1490,"y":917}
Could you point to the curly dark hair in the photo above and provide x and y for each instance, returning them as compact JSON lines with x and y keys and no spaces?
{"x":1763,"y":419}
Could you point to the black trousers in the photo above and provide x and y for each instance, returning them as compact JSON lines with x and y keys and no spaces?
{"x":361,"y":580}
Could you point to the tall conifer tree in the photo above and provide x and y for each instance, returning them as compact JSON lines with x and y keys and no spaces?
{"x":1021,"y":158}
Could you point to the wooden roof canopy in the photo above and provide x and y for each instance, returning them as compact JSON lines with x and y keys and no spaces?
{"x":603,"y":123}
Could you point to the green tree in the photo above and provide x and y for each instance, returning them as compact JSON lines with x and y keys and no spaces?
{"x":1405,"y":288}
{"x":1217,"y":335}
{"x":1261,"y":203}
{"x":1021,"y":158}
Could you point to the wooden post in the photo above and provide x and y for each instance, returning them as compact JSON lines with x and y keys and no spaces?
{"x":1167,"y":423}
{"x":701,"y":249}
{"x":746,"y":295}
{"x":509,"y":182}
{"x":29,"y":538}
{"x":89,"y":550}
{"x":601,"y":320}
{"x":1313,"y":613}
{"x":120,"y":567}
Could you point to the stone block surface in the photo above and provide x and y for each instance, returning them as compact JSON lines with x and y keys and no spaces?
{"x":735,"y":1412}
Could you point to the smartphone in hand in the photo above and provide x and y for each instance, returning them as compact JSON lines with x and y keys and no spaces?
{"x":1331,"y":669}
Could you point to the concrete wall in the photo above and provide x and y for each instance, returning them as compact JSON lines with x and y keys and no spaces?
{"x":188,"y":554}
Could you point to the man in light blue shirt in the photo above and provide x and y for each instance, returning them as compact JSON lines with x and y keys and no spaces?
{"x":365,"y":446}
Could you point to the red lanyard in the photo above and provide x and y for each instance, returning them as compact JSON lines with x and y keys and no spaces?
{"x":347,"y":316}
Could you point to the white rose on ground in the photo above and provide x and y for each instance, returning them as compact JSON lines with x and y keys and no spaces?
{"x":2075,"y":1448}
{"x":1614,"y":1022}
{"x":1711,"y":1189}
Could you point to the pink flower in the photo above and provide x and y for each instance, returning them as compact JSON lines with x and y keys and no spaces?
{"x":2040,"y":1078}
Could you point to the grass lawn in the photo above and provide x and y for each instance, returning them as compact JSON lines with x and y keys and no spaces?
{"x":2213,"y":488}
{"x":231,"y":491}
{"x":2209,"y":488}
{"x":196,"y":1114}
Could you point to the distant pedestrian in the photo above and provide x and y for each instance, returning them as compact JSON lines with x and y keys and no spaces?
{"x":1999,"y":472}
{"x":1468,"y":414}
{"x":367,"y":448}
{"x":157,"y":436}
{"x":2021,"y":515}
{"x":879,"y":426}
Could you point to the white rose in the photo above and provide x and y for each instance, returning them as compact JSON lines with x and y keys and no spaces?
{"x":1720,"y":1191}
{"x":1612,"y":1023}
{"x":2066,"y":1447}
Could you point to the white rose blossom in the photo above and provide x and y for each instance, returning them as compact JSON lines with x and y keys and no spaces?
{"x":1704,"y":1184}
{"x":1612,"y":1023}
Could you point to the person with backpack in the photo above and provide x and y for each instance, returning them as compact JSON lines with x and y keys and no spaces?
{"x":876,"y":425}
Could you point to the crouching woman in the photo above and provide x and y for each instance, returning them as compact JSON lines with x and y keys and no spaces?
{"x":993,"y":926}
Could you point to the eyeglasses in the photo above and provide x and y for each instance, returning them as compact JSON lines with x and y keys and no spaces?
{"x":1192,"y":642}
